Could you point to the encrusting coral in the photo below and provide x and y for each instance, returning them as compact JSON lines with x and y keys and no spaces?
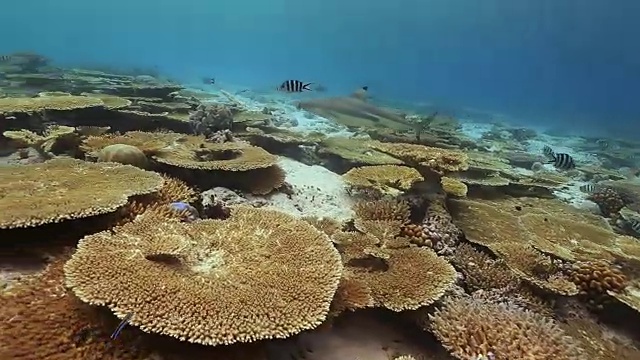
{"x":469,"y":328}
{"x":62,"y":189}
{"x":259,"y":274}
{"x":387,"y":179}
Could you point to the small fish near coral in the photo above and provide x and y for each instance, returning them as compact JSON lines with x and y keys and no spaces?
{"x":121,"y":326}
{"x":291,"y":86}
{"x":191,"y":213}
{"x":588,"y":188}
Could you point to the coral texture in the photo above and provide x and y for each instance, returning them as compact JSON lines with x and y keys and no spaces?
{"x":258,"y":274}
{"x":62,"y":189}
{"x":388,"y":179}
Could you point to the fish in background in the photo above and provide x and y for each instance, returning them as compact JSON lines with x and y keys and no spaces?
{"x":561,"y":161}
{"x":5,"y":58}
{"x":362,"y":93}
{"x":209,"y":80}
{"x":588,"y":188}
{"x":292,"y":86}
{"x":634,"y":224}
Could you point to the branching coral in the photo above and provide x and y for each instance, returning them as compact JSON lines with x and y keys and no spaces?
{"x":469,"y":328}
{"x":278,"y":275}
{"x":480,"y":271}
{"x":387,"y":179}
{"x":61,"y":189}
{"x":383,"y":209}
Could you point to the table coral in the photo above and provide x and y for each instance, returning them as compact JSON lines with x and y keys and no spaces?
{"x":63,"y":189}
{"x":436,"y":159}
{"x":388,"y":179}
{"x":38,"y":104}
{"x":453,"y":186}
{"x":258,"y":274}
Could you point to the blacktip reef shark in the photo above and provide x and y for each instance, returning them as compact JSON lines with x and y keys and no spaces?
{"x":356,"y":111}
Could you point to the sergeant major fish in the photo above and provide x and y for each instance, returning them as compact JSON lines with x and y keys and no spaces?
{"x":294,"y":86}
{"x":562,"y":161}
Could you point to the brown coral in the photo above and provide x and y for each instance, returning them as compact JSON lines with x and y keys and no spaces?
{"x":383,"y":209}
{"x":387,"y":179}
{"x":453,"y":186}
{"x":436,"y":159}
{"x":277,"y":276}
{"x":150,"y":143}
{"x":480,"y":271}
{"x":609,"y":201}
{"x":228,"y":156}
{"x":62,"y":189}
{"x":397,"y":278}
{"x":38,"y":104}
{"x":596,"y":279}
{"x":469,"y":328}
{"x":123,"y":154}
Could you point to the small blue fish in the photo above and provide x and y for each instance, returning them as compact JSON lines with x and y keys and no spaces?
{"x":121,"y":326}
{"x":192,"y":213}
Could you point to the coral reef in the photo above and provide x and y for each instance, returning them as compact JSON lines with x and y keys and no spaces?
{"x":234,"y":226}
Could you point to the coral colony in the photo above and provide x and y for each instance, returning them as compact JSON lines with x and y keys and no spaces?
{"x":144,"y":220}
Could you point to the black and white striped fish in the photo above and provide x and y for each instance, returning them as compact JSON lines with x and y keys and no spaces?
{"x":294,"y":86}
{"x":562,"y":161}
{"x":5,"y":58}
{"x":548,"y":152}
{"x":588,"y":188}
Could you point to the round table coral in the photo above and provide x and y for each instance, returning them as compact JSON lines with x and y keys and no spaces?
{"x":259,"y":274}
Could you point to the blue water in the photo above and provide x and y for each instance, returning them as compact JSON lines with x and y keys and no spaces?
{"x":570,"y":64}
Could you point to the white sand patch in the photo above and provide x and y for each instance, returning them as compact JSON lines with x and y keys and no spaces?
{"x":316,"y":192}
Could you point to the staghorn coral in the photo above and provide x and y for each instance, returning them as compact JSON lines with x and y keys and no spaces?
{"x":453,"y":186}
{"x":123,"y":154}
{"x":436,"y":159}
{"x":596,"y":279}
{"x":387,"y":179}
{"x":278,"y":276}
{"x":61,"y":189}
{"x":382,"y":209}
{"x":469,"y":328}
{"x":39,"y":104}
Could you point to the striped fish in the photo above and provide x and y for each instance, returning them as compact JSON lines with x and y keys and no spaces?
{"x":588,"y":188}
{"x":548,"y":152}
{"x":635,"y":225}
{"x":294,"y":86}
{"x":5,"y":58}
{"x":563,"y":161}
{"x":121,"y":326}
